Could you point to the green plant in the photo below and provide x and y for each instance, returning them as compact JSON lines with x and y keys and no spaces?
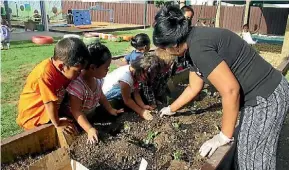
{"x":150,"y":137}
{"x":126,"y":126}
{"x":176,"y":125}
{"x":159,"y":3}
{"x":177,"y":155}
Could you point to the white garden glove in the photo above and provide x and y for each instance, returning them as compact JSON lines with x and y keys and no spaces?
{"x":210,"y":146}
{"x":167,"y":111}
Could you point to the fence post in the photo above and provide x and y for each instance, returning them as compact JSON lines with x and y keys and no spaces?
{"x":218,"y":14}
{"x":247,"y":12}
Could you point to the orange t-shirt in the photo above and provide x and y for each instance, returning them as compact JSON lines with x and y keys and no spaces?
{"x":44,"y":84}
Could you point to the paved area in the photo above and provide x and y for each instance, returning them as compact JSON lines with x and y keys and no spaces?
{"x":29,"y":34}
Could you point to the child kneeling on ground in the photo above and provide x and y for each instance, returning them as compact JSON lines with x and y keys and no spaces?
{"x":45,"y":86}
{"x":141,"y":42}
{"x":87,"y":102}
{"x":122,"y":82}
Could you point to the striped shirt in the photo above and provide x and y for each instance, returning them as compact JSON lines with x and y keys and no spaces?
{"x":89,"y":98}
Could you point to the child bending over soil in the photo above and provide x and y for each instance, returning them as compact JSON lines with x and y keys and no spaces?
{"x":124,"y":81}
{"x":141,"y":42}
{"x":85,"y":92}
{"x":45,"y":86}
{"x":155,"y":89}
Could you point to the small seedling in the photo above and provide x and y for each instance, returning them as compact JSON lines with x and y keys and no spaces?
{"x":177,"y":155}
{"x":126,"y":126}
{"x":176,"y":125}
{"x":150,"y":137}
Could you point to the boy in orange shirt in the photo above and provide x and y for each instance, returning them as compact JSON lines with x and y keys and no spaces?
{"x":45,"y":86}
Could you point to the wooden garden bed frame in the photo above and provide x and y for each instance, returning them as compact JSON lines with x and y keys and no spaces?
{"x":46,"y":137}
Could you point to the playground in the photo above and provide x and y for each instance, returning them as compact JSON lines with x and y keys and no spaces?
{"x":169,"y":143}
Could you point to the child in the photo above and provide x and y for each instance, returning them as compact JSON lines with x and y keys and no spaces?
{"x":154,"y":90}
{"x":5,"y":35}
{"x":141,"y":42}
{"x":45,"y":86}
{"x":246,"y":35}
{"x":124,"y":81}
{"x":85,"y":92}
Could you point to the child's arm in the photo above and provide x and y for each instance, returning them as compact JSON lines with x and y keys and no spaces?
{"x":49,"y":98}
{"x":140,"y":102}
{"x":66,"y":124}
{"x":126,"y":96}
{"x":80,"y":117}
{"x":103,"y":100}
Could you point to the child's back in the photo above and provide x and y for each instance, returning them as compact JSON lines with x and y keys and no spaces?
{"x":141,"y":43}
{"x":47,"y":82}
{"x":44,"y":83}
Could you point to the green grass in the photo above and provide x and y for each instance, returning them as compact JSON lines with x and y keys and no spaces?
{"x":17,"y":63}
{"x":287,"y":76}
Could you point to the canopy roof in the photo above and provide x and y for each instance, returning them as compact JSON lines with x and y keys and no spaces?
{"x":257,"y":3}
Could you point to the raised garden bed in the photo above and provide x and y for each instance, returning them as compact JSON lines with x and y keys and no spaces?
{"x":162,"y":142}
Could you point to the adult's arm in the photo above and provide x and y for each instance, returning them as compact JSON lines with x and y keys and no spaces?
{"x":227,"y":85}
{"x":195,"y":86}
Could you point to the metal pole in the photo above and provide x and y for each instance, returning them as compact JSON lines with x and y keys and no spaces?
{"x":44,"y":15}
{"x":145,"y":14}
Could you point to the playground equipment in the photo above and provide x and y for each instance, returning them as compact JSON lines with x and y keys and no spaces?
{"x":42,"y":40}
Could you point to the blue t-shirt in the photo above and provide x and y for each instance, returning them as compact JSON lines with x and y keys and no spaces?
{"x":132,"y":56}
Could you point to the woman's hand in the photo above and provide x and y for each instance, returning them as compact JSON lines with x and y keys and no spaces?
{"x":146,"y":114}
{"x":166,"y":111}
{"x":92,"y":136}
{"x":115,"y":112}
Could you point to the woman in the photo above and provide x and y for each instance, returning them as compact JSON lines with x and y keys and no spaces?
{"x":245,"y":81}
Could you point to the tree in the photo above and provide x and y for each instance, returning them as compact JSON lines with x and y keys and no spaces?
{"x":159,"y":3}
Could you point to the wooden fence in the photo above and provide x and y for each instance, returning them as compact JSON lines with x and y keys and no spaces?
{"x":268,"y":20}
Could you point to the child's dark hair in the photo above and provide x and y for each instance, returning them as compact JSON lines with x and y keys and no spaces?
{"x":4,"y":22}
{"x":99,"y":54}
{"x":140,"y":40}
{"x":187,"y":8}
{"x":71,"y":51}
{"x":144,"y":63}
{"x":246,"y":25}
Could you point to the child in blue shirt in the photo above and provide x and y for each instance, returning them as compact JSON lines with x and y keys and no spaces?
{"x":141,"y":42}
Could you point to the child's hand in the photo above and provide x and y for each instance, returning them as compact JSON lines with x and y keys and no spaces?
{"x":92,"y":136}
{"x":146,"y":114}
{"x":67,"y":126}
{"x":116,"y":112}
{"x":148,"y":107}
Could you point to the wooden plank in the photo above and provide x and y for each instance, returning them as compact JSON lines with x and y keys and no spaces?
{"x":37,"y":140}
{"x":64,"y":140}
{"x":57,"y":160}
{"x":284,"y":66}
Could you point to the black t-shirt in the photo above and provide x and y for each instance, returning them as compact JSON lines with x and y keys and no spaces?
{"x":208,"y":47}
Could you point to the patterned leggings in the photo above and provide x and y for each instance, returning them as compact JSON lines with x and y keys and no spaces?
{"x":260,"y":129}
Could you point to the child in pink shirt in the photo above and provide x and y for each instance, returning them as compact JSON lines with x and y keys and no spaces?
{"x":85,"y":93}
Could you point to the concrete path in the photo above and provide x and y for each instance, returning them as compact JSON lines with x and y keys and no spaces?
{"x":29,"y":34}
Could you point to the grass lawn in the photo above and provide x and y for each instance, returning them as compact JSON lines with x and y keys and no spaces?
{"x":287,"y":76}
{"x":20,"y":59}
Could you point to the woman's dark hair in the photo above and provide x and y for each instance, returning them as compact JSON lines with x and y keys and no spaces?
{"x":99,"y":54}
{"x":71,"y":51}
{"x":140,"y":40}
{"x":171,"y":27}
{"x":144,"y":63}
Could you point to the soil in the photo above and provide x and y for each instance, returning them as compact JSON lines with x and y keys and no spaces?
{"x":23,"y":162}
{"x":165,"y":143}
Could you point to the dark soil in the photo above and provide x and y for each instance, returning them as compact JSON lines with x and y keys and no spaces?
{"x":165,"y":143}
{"x":23,"y":162}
